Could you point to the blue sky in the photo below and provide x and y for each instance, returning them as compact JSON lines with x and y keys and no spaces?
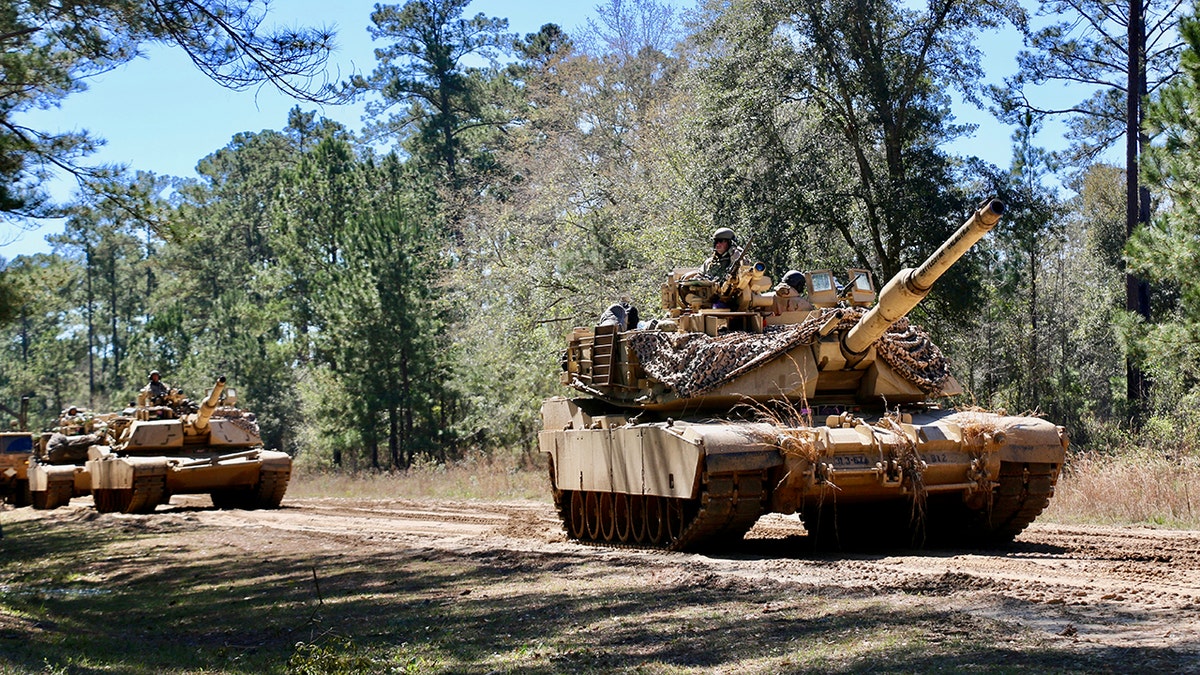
{"x":160,"y":114}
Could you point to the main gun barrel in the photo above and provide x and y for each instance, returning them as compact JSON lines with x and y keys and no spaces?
{"x":209,"y":405}
{"x":910,"y":286}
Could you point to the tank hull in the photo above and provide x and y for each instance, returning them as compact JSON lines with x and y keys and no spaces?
{"x":932,"y":476}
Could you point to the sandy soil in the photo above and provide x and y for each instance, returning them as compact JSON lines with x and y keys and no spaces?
{"x":1108,"y":590}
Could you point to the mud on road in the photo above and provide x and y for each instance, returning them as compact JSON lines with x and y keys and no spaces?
{"x":505,"y":590}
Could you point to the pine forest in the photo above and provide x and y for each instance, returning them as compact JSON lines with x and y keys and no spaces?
{"x":397,"y":294}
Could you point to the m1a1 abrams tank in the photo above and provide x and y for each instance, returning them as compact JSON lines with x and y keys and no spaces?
{"x":171,"y":445}
{"x":749,"y":400}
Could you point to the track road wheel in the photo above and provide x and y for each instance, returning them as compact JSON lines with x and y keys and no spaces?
{"x":656,"y":521}
{"x":637,"y":518}
{"x":621,"y":515}
{"x":577,"y":526}
{"x":676,"y":518}
{"x":592,"y":515}
{"x":608,"y":520}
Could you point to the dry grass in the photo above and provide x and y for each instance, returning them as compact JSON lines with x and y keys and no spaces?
{"x":495,"y":478}
{"x":1128,"y":489}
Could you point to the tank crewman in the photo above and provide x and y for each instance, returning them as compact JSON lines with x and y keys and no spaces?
{"x":719,"y":267}
{"x":73,"y":422}
{"x":156,"y":390}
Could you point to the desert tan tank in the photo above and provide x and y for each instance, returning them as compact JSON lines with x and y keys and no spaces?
{"x":752,"y":399}
{"x":180,"y":448}
{"x":135,"y":460}
{"x":16,"y":448}
{"x":56,"y":470}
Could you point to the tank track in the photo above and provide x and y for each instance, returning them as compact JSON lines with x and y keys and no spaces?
{"x":146,"y":494}
{"x":729,"y":505}
{"x":58,"y":494}
{"x":271,"y":487}
{"x":267,"y":493}
{"x":1024,"y":492}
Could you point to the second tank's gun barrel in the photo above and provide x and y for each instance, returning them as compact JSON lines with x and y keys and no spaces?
{"x":209,"y":405}
{"x":910,"y":286}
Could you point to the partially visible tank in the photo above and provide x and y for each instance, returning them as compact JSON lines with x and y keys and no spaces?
{"x":159,"y":448}
{"x":16,"y":447}
{"x":751,"y":399}
{"x":56,"y":470}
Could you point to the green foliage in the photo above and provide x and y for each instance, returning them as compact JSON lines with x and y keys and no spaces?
{"x":51,"y":50}
{"x":1167,"y":251}
{"x":384,"y":310}
{"x":44,"y":352}
{"x":1086,"y":43}
{"x":820,"y":128}
{"x":444,"y":103}
{"x":334,"y":656}
{"x":10,"y":301}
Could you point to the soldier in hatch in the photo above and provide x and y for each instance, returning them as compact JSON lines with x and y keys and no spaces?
{"x":726,"y":254}
{"x":156,"y":390}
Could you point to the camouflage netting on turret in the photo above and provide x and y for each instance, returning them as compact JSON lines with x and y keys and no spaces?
{"x":241,"y":419}
{"x":694,"y":363}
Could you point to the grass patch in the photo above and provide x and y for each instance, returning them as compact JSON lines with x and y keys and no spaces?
{"x":488,"y":478}
{"x":1133,"y":487}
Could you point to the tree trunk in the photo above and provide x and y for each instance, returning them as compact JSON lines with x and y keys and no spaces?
{"x":115,"y":380}
{"x":91,"y":328}
{"x":394,"y":437}
{"x":1137,"y":291}
{"x":1035,"y":373}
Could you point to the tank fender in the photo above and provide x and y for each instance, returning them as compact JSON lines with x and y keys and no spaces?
{"x":1025,"y":439}
{"x":647,"y":459}
{"x":1030,"y":440}
{"x":118,"y":473}
{"x":732,"y":448}
{"x":274,"y":460}
{"x":42,"y":476}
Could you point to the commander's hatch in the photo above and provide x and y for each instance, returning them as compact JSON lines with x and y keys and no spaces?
{"x":822,"y":291}
{"x":860,"y":290}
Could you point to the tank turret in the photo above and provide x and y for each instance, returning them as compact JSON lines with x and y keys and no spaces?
{"x":804,"y":397}
{"x":749,"y":341}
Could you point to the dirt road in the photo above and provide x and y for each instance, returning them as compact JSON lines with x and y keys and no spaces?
{"x":1062,"y":598}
